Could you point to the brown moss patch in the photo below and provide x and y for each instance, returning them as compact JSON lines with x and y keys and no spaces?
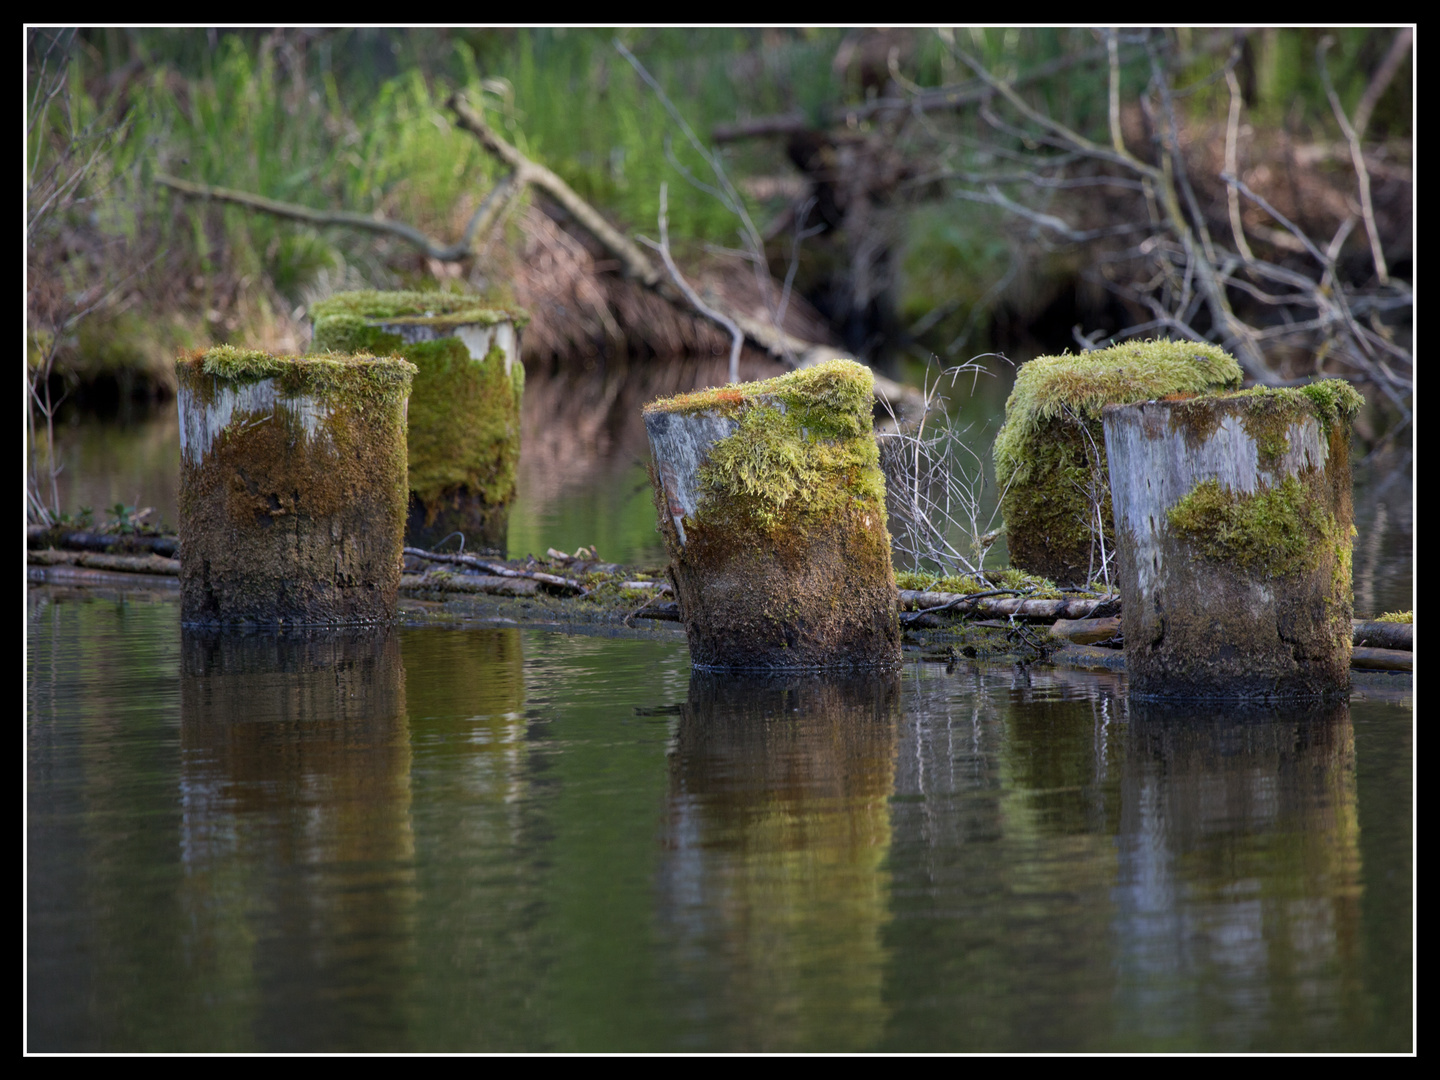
{"x":286,"y":523}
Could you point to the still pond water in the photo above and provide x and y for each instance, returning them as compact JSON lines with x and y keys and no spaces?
{"x":478,"y":837}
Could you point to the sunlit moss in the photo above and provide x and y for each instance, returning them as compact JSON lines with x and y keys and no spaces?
{"x":1050,"y":453}
{"x":360,"y":377}
{"x":431,"y":308}
{"x":1277,"y":530}
{"x":1397,"y":617}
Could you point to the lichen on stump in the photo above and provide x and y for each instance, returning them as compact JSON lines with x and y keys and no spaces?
{"x":772,"y":504}
{"x":464,"y":420}
{"x":1234,"y":519}
{"x":292,"y":487}
{"x":1050,"y":452}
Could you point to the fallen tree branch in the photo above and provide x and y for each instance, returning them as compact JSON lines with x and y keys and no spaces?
{"x":500,"y":569}
{"x":635,"y":262}
{"x":481,"y":221}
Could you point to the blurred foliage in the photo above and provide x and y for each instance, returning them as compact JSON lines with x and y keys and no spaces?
{"x":355,"y":119}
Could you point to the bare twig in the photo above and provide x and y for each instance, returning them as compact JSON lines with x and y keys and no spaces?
{"x":737,"y":336}
{"x":1357,"y":157}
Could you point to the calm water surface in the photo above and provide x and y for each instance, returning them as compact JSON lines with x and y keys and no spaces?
{"x":482,"y":838}
{"x":492,"y":838}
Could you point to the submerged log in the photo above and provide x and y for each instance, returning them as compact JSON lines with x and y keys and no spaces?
{"x":1234,"y":522}
{"x":292,"y":487}
{"x":772,"y":505}
{"x":463,"y":422}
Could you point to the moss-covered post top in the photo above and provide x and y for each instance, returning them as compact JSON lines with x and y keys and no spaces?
{"x":1133,"y":371}
{"x":769,"y":446}
{"x":1233,"y":521}
{"x":439,"y":309}
{"x":225,"y":382}
{"x":772,"y":505}
{"x":381,"y":321}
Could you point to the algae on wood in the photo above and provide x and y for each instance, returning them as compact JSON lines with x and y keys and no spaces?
{"x":292,"y":493}
{"x":463,"y":437}
{"x":1050,"y":454}
{"x":772,"y":505}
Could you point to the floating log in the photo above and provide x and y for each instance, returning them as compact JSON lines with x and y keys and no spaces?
{"x":1382,"y":659}
{"x":1234,"y":521}
{"x":1050,"y":453}
{"x":1384,"y":635}
{"x":1031,"y":610}
{"x":463,"y":426}
{"x":1086,"y":631}
{"x":772,"y":506}
{"x":292,"y":487}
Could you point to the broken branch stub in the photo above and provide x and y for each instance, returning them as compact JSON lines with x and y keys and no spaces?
{"x":772,"y":505}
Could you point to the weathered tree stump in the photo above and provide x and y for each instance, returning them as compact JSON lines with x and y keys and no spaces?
{"x":292,"y":488}
{"x":464,"y":421}
{"x":1234,"y":522}
{"x":772,"y":505}
{"x":1050,"y":453}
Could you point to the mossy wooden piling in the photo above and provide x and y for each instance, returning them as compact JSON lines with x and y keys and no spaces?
{"x":463,"y":438}
{"x":772,"y":504}
{"x":1234,"y":525}
{"x":1050,"y":453}
{"x":292,"y":488}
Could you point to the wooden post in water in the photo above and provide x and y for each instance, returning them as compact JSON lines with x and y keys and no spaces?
{"x":772,"y":505}
{"x":464,"y":420}
{"x":292,"y":488}
{"x":1050,"y":453}
{"x":1234,"y":523}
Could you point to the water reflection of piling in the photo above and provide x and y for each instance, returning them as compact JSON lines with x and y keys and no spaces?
{"x":296,"y":770}
{"x":778,"y":830}
{"x":1239,"y":871}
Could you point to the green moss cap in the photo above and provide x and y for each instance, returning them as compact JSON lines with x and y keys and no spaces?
{"x":834,"y":399}
{"x":375,"y":377}
{"x":437,"y":308}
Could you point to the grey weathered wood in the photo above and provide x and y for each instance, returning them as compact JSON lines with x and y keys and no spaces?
{"x":679,"y":444}
{"x":1200,"y":620}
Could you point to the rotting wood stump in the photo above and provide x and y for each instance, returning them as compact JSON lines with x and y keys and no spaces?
{"x":1050,"y":452}
{"x":292,"y":488}
{"x":1234,"y":524}
{"x":463,"y":436}
{"x":772,"y":504}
